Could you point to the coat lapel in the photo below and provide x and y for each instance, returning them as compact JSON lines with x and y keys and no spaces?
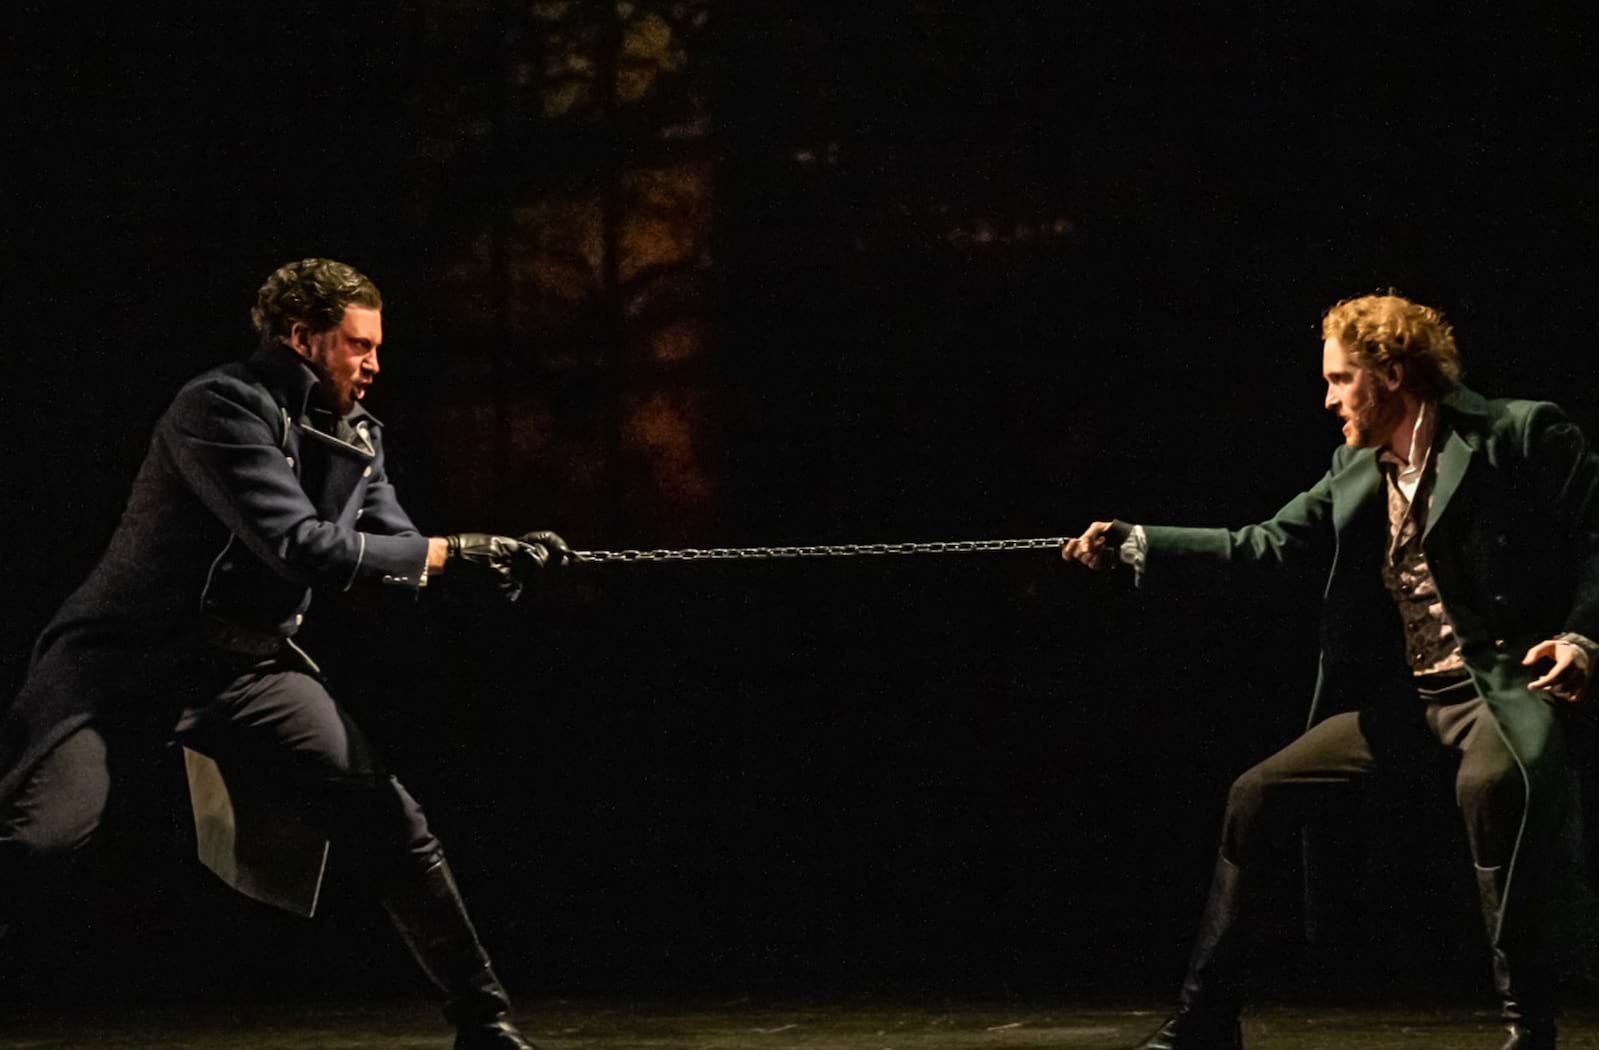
{"x":1453,"y":458}
{"x":1355,"y":488}
{"x":332,"y":470}
{"x":1455,"y":454}
{"x":1361,"y":480}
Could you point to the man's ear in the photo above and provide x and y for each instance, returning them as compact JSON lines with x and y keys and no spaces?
{"x":299,"y":339}
{"x":1393,"y":375}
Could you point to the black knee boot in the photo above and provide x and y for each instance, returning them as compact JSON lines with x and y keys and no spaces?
{"x":1525,"y":983}
{"x":428,"y":911}
{"x":1213,"y":990}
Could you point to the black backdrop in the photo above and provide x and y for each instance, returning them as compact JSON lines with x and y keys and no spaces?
{"x":965,"y":272}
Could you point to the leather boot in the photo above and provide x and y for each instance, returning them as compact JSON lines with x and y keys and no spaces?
{"x":1213,"y":990}
{"x":1524,"y":983}
{"x":428,"y":911}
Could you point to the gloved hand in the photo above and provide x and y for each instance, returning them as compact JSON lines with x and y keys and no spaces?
{"x":545,"y":551}
{"x":489,"y":557}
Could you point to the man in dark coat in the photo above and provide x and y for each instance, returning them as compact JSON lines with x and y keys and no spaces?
{"x":265,"y":478}
{"x":1460,"y":541}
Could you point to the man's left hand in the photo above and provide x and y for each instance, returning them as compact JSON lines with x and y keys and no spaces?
{"x":1568,"y":678}
{"x":544,"y":550}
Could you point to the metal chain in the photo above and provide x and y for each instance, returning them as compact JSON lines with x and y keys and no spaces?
{"x":835,"y":550}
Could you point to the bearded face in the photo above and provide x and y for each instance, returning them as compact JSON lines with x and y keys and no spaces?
{"x":1369,"y":405}
{"x":345,"y":357}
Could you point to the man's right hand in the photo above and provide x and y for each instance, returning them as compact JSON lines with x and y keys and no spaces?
{"x":488,"y":557}
{"x":1094,"y":548}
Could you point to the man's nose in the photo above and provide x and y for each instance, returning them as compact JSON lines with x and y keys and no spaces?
{"x":370,"y":364}
{"x":1330,"y":402}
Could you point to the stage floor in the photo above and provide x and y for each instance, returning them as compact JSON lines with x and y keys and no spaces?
{"x":749,"y":1024}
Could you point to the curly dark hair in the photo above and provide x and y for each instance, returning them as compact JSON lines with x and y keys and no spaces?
{"x":314,"y":291}
{"x":1376,"y":330}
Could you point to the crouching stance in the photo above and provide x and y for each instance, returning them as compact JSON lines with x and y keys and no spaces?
{"x":265,"y":478}
{"x":1459,"y":538}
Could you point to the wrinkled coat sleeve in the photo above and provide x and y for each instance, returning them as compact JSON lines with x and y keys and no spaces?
{"x":224,"y":437}
{"x":1298,"y":536}
{"x":1566,"y":480}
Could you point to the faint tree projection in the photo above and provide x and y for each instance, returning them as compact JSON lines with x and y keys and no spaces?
{"x":875,"y":206}
{"x":566,"y":157}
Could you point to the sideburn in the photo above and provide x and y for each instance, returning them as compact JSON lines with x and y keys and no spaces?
{"x":1387,"y":409}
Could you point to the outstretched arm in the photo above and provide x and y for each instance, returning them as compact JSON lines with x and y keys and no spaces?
{"x":224,"y":439}
{"x":1302,"y":529}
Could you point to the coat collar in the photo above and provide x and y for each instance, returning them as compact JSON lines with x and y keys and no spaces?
{"x":1461,"y":410}
{"x":290,"y":381}
{"x":1463,"y":399}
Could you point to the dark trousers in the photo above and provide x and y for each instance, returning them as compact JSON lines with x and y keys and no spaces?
{"x":275,"y":730}
{"x":1321,"y":769}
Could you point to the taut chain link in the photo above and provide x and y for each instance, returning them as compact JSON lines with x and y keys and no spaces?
{"x":834,"y":550}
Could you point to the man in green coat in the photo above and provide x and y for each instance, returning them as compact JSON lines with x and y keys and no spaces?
{"x":1460,"y":541}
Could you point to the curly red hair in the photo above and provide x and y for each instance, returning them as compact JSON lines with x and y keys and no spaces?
{"x":1377,"y":330}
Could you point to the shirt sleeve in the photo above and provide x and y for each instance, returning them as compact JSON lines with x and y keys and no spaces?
{"x":1134,"y":551}
{"x":1585,"y":646}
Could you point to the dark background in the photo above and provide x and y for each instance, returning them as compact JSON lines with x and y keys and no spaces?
{"x":667,"y":274}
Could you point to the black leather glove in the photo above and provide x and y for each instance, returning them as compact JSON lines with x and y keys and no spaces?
{"x":488,"y":557}
{"x":545,"y":550}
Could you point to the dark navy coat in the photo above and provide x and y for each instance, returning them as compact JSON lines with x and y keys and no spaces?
{"x":249,"y":496}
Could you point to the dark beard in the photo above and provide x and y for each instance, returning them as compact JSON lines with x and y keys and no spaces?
{"x":325,"y":395}
{"x":1374,"y":426}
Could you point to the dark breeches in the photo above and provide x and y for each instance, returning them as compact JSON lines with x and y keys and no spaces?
{"x":1317,"y":771}
{"x":275,"y":730}
{"x":55,"y":814}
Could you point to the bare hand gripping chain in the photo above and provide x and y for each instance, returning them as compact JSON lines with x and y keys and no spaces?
{"x":836,"y":550}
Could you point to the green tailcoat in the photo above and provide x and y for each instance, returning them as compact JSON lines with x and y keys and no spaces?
{"x":1512,"y":539}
